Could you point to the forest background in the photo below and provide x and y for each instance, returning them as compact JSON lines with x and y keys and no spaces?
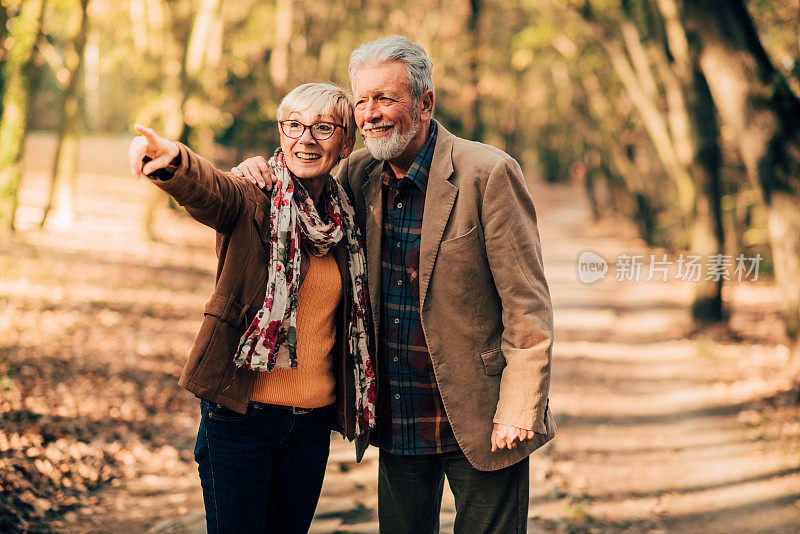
{"x":681,"y":116}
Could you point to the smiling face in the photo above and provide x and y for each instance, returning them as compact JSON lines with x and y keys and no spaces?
{"x":309,"y":158}
{"x":386,"y":114}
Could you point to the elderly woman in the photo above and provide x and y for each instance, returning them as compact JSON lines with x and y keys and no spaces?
{"x":281,"y":357}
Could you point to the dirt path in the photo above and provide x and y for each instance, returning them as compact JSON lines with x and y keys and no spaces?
{"x":659,"y":431}
{"x":653,"y":434}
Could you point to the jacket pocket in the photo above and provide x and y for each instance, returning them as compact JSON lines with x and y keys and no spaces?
{"x":493,"y":361}
{"x":226,"y":309}
{"x":461,"y":241}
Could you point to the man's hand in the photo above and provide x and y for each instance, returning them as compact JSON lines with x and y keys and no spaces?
{"x":504,"y":436}
{"x":161,"y":151}
{"x":258,"y":171}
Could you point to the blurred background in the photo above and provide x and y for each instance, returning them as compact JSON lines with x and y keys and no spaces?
{"x":663,"y":127}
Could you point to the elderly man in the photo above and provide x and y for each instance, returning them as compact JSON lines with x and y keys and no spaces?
{"x":460,"y":304}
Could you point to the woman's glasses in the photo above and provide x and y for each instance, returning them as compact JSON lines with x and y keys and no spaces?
{"x":319,"y":130}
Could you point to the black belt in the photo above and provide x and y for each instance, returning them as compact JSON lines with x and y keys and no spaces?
{"x":295,"y":410}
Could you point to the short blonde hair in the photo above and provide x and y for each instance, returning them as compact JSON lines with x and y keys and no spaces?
{"x":327,"y":99}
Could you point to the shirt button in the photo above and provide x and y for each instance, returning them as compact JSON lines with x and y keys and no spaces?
{"x":399,"y":282}
{"x":397,"y":396}
{"x":399,"y":205}
{"x":397,"y":321}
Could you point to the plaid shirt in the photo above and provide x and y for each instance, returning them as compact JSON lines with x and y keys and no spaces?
{"x":408,"y":397}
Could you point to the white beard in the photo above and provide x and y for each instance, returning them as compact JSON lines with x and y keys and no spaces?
{"x":391,"y":146}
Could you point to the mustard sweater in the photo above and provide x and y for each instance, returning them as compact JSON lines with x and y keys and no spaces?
{"x":312,"y":384}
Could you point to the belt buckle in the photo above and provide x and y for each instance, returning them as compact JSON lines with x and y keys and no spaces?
{"x":300,"y":411}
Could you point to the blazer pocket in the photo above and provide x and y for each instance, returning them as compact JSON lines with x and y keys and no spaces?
{"x":226,"y":309}
{"x":461,"y":241}
{"x":493,"y":361}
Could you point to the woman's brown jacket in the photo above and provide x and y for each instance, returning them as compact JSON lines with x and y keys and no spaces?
{"x":239,"y":212}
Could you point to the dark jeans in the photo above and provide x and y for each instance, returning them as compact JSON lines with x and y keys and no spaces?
{"x":261,"y":471}
{"x":410,"y":495}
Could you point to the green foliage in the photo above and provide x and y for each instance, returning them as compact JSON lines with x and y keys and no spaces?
{"x":530,"y":77}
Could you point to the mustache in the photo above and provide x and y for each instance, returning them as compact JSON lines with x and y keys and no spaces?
{"x":368,"y":127}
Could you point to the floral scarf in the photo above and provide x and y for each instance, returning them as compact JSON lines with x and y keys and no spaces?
{"x":270,"y":341}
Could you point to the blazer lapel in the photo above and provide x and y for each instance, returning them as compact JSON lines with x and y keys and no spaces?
{"x":373,"y":202}
{"x":439,"y":199}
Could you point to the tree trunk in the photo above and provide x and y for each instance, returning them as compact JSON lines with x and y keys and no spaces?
{"x":163,"y":51}
{"x":198,"y":39}
{"x":708,"y":236}
{"x":91,"y":79}
{"x":279,"y":58}
{"x":196,"y":132}
{"x":755,"y":101}
{"x":64,"y":177}
{"x":4,"y":15}
{"x":696,"y":130}
{"x":16,"y":97}
{"x":473,"y":126}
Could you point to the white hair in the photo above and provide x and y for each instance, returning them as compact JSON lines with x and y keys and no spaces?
{"x":326,"y":99}
{"x":396,"y":48}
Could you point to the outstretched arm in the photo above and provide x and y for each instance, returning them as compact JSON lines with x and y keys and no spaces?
{"x":211,"y":196}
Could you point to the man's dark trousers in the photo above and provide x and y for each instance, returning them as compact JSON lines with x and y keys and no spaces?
{"x":410,"y":494}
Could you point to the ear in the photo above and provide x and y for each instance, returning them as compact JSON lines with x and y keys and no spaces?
{"x":426,"y":105}
{"x":347,"y":148}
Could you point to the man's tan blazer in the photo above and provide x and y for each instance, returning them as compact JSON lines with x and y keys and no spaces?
{"x":486,"y":310}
